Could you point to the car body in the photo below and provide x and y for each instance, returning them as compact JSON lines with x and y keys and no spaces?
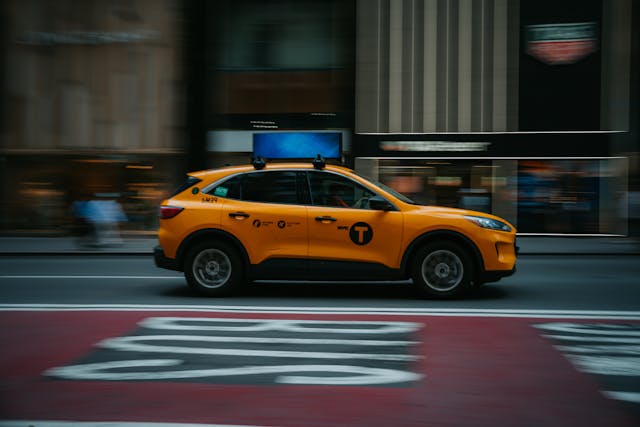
{"x":307,"y":221}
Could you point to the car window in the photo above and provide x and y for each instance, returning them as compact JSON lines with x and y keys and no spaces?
{"x":328,"y":189}
{"x":230,"y":189}
{"x":188,"y":183}
{"x":267,"y":187}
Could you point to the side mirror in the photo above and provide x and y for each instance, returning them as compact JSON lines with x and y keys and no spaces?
{"x":380,"y":204}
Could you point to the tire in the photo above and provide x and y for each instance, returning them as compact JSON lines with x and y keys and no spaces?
{"x":213,"y":269}
{"x":442,"y":270}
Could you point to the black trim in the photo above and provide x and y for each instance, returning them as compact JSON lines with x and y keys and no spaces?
{"x":209,"y":234}
{"x":443,"y":234}
{"x":162,"y":261}
{"x":324,"y":270}
{"x":482,"y":275}
{"x":495,"y":275}
{"x":320,"y":270}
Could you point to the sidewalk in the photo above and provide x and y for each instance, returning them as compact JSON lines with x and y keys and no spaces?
{"x":143,"y":245}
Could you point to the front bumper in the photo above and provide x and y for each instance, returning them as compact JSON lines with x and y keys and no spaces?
{"x":495,"y":275}
{"x":162,"y":261}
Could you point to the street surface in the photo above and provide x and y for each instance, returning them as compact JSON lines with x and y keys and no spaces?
{"x":90,"y":339}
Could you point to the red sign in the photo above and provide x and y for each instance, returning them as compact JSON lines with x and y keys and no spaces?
{"x":557,"y":44}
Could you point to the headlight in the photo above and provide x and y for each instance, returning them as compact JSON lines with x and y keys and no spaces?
{"x":491,"y":224}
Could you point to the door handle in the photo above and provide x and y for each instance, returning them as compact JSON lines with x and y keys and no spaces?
{"x":325,"y":219}
{"x":239,"y":215}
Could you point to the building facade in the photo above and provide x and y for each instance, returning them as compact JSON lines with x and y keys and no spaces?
{"x":527,"y":109}
{"x":93,"y":93}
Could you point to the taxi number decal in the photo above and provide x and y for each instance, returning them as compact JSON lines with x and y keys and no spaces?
{"x":361,"y":233}
{"x":209,"y":200}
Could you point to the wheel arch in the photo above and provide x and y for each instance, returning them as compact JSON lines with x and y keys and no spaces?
{"x":445,"y":235}
{"x":207,"y":234}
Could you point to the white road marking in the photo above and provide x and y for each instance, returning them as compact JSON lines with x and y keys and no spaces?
{"x":389,"y":311}
{"x":89,"y":277}
{"x":591,"y":338}
{"x":593,"y":354}
{"x":134,"y":343}
{"x":269,"y":340}
{"x":172,"y":345}
{"x":47,"y":423}
{"x":623,"y":395}
{"x":607,"y":365}
{"x":590,"y":330}
{"x":633,"y":350}
{"x":363,"y":375}
{"x":280,"y":325}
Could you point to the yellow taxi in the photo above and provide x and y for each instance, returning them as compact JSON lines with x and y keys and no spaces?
{"x":315,"y":221}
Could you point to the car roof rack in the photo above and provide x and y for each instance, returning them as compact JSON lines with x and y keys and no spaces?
{"x":258,"y":163}
{"x":319,"y":162}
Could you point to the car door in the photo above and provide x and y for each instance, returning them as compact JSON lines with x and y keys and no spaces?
{"x":343,"y":227}
{"x":262,"y":210}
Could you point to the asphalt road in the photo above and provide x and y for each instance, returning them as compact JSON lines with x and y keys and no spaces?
{"x":541,"y":283}
{"x":112,"y":339}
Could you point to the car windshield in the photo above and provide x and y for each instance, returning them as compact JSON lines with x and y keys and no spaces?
{"x":390,"y":190}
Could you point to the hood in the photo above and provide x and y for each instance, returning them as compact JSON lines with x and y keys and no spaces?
{"x":449,"y":212}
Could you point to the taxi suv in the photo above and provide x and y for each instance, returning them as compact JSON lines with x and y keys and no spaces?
{"x":315,"y":221}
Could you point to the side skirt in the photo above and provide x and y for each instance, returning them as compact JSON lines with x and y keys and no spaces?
{"x":304,"y":269}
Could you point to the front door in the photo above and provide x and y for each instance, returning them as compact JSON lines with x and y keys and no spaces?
{"x":342,"y":226}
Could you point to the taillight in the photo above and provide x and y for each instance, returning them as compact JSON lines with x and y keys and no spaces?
{"x":168,"y":212}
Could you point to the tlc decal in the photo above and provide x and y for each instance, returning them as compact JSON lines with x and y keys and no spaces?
{"x":361,"y":233}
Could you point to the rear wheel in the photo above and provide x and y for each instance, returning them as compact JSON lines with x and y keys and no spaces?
{"x":442,"y":270}
{"x":213,"y":269}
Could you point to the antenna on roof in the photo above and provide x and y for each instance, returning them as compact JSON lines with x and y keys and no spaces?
{"x":258,"y":163}
{"x":319,"y":162}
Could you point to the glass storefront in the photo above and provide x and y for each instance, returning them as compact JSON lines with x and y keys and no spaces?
{"x":565,"y":196}
{"x":40,"y":191}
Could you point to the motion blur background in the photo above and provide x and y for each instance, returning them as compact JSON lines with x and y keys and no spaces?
{"x":527,"y":109}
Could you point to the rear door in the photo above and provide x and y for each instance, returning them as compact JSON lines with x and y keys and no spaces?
{"x":262,"y":210}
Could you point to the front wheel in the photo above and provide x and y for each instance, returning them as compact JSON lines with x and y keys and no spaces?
{"x":442,"y":270}
{"x":213,"y":269}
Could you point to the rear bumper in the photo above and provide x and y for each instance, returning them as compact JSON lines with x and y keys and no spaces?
{"x":163,"y":262}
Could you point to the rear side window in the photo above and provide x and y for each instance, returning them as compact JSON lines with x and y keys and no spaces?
{"x":230,"y":189}
{"x":265,"y":187}
{"x":270,"y":187}
{"x":190,"y":182}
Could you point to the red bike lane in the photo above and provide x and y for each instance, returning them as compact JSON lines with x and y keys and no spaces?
{"x":401,"y":370}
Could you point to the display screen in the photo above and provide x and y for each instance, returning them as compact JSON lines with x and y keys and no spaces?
{"x":297,"y":145}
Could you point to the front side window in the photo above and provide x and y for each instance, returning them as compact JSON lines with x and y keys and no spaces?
{"x":328,"y":189}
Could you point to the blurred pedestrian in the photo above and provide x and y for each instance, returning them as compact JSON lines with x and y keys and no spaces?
{"x":82,"y":227}
{"x":105,"y":215}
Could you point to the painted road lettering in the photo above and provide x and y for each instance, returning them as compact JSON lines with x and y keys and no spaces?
{"x":246,"y":351}
{"x":611,"y":352}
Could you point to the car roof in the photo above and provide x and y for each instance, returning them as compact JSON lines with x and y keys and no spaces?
{"x":229,"y":170}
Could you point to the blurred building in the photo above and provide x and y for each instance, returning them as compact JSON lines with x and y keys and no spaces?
{"x":91,"y":107}
{"x":527,"y":109}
